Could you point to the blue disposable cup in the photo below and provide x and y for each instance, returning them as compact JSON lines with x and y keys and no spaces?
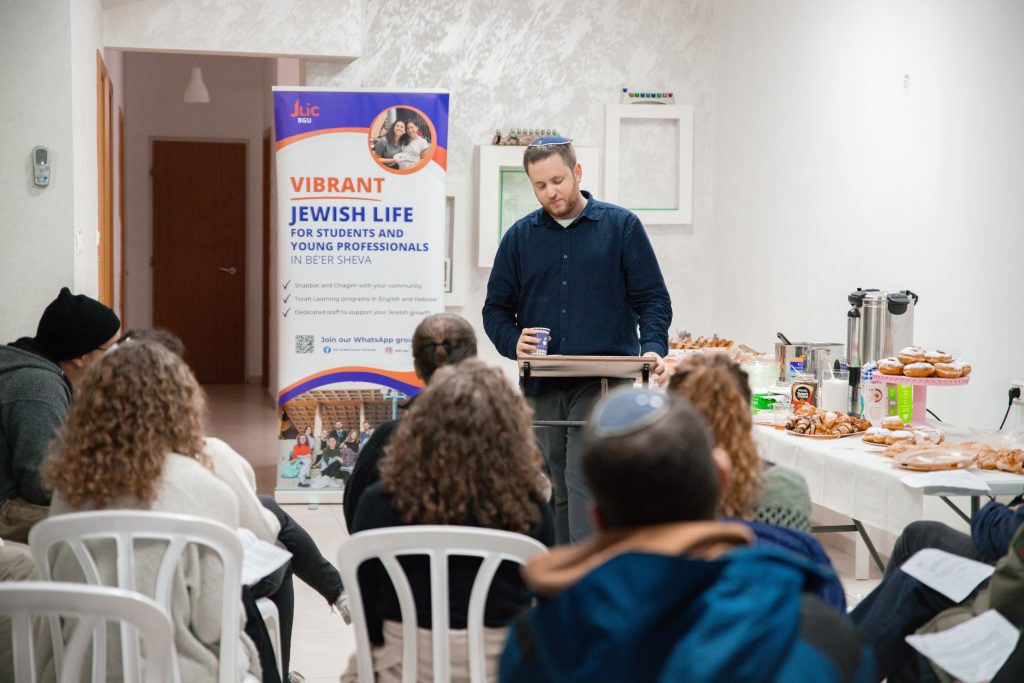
{"x":543,"y":334}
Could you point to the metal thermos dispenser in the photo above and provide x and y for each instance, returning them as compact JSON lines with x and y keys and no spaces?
{"x":878,"y":325}
{"x":898,"y":330}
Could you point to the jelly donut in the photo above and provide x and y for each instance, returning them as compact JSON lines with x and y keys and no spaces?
{"x":890,"y":366}
{"x":948,"y":370}
{"x":964,"y":366}
{"x":912,"y":354}
{"x":876,"y":435}
{"x":934,"y":357}
{"x":893,"y":422}
{"x":919,"y":370}
{"x":899,"y":436}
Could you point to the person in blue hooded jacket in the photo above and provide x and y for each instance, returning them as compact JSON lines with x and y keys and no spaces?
{"x":666,"y":591}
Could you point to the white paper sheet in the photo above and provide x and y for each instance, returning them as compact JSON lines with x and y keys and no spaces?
{"x":952,"y":575}
{"x":259,"y":558}
{"x":957,"y":480}
{"x":975,"y":650}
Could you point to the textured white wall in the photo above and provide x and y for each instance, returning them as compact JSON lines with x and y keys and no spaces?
{"x":86,"y":39}
{"x":37,"y":257}
{"x":829,"y":175}
{"x":154,"y":84}
{"x":323,"y":28}
{"x":538,"y":64}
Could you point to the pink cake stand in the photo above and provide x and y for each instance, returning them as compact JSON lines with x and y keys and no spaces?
{"x":921,"y":385}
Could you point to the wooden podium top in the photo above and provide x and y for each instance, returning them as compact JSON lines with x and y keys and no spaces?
{"x":626,"y":367}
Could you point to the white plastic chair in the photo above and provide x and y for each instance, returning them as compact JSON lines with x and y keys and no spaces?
{"x":93,"y":605}
{"x":125,"y":528}
{"x":438,"y":543}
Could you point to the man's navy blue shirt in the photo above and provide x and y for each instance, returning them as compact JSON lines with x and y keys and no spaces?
{"x":593,"y":283}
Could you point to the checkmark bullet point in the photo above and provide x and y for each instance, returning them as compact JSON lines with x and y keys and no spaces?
{"x":286,"y":312}
{"x":285,"y":285}
{"x":286,"y":298}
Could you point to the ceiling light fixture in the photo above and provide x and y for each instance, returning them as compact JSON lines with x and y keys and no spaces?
{"x":195,"y":91}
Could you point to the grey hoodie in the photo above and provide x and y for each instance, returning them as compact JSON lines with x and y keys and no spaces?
{"x":34,"y":401}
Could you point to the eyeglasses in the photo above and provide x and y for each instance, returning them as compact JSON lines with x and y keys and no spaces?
{"x":550,"y":140}
{"x":627,"y":411}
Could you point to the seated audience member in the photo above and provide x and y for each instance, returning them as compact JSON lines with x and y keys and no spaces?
{"x":37,"y":375}
{"x":440,"y":339}
{"x":134,"y":440}
{"x":665,"y":591}
{"x":901,"y":606}
{"x":992,"y":528}
{"x":473,"y":428}
{"x":307,"y":562}
{"x":772,"y":500}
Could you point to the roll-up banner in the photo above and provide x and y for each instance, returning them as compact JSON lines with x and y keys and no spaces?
{"x":360,"y":254}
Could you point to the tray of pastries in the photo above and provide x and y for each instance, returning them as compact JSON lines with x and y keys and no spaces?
{"x":809,"y":421}
{"x":686,"y":341}
{"x":1003,"y":459}
{"x":918,"y":362}
{"x":985,"y":456}
{"x":893,"y":431}
{"x":930,"y":459}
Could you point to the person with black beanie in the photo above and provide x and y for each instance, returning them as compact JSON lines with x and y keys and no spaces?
{"x":37,"y":377}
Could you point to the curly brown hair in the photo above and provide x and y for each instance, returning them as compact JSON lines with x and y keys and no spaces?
{"x":134,"y":406}
{"x":718,"y":388}
{"x":466,"y":452}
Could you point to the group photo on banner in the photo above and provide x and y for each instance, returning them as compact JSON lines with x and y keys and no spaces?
{"x":360,"y":254}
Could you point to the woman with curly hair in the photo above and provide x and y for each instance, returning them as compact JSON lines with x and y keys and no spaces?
{"x":718,"y":388}
{"x":439,"y":339}
{"x":772,"y":500}
{"x":464,"y":455}
{"x":134,"y":440}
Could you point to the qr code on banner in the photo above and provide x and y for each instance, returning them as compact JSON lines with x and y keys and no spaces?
{"x":304,"y":343}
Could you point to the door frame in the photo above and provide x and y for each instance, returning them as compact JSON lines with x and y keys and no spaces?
{"x":268,"y":151}
{"x":105,"y":182}
{"x":245,"y":244}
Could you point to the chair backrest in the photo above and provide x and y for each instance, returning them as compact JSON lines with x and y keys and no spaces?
{"x":92,"y":605}
{"x":438,"y":543}
{"x":125,"y":528}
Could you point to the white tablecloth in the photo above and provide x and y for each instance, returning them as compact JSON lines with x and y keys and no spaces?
{"x":853,"y":479}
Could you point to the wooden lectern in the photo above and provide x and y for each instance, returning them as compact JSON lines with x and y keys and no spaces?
{"x":613,"y":367}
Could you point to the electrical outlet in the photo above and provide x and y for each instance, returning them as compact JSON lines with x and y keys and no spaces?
{"x":1018,"y":384}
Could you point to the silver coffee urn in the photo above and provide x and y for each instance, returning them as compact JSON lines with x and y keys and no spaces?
{"x":878,"y":325}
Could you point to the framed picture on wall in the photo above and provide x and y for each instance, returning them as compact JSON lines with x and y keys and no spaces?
{"x":457,"y":239}
{"x":649,"y":161}
{"x":506,"y":194}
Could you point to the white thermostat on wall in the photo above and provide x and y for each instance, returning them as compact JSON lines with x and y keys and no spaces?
{"x":41,"y":166}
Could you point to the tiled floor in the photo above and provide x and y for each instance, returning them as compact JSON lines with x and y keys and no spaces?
{"x":244,"y":416}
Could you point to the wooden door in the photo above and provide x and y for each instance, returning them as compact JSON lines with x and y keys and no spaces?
{"x":199,"y":253}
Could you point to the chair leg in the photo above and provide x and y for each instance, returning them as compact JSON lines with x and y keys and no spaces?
{"x":268,"y":610}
